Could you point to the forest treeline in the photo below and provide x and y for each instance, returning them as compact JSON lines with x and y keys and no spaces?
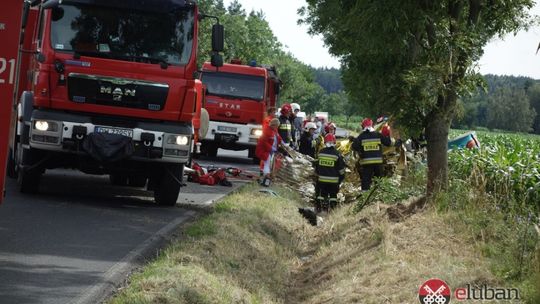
{"x":504,"y":103}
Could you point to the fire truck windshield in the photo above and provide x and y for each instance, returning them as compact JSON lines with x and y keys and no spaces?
{"x":234,"y":85}
{"x":124,"y":34}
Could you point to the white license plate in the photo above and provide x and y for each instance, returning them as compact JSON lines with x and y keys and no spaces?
{"x":117,"y":131}
{"x":226,"y":129}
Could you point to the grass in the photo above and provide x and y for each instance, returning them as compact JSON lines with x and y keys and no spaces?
{"x":255,"y":248}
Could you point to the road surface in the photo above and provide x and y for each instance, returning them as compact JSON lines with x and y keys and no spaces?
{"x":80,"y":237}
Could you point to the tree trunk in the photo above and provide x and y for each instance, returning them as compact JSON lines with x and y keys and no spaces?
{"x":437,"y":129}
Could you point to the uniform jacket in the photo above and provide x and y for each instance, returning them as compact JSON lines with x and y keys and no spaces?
{"x":369,"y":147}
{"x":285,"y":129}
{"x":307,"y":144}
{"x":265,"y":143}
{"x":330,"y":166}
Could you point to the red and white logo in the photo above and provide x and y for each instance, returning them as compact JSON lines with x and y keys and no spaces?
{"x":434,"y":291}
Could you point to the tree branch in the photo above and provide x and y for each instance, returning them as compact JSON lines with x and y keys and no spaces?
{"x":475,"y":7}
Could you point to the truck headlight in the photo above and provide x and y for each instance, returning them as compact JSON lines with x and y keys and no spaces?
{"x":42,"y":125}
{"x":180,"y":140}
{"x":257,"y":132}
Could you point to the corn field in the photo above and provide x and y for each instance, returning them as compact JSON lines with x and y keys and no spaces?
{"x":507,"y":166}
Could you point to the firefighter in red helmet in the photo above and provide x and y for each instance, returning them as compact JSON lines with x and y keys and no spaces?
{"x":368,"y":145}
{"x":285,"y":127}
{"x":330,"y":169}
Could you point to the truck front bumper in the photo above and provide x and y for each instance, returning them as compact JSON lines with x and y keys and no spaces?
{"x":152,"y":141}
{"x":233,"y":136}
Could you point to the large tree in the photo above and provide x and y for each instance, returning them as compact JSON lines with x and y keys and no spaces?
{"x":413,"y":59}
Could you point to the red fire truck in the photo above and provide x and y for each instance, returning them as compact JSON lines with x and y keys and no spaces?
{"x":237,"y":99}
{"x":109,"y":87}
{"x":10,"y":20}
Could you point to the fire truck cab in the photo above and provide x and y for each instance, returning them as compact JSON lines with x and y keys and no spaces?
{"x":237,"y":99}
{"x":108,"y":87}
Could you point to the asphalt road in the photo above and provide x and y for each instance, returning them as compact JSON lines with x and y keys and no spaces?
{"x":80,"y":237}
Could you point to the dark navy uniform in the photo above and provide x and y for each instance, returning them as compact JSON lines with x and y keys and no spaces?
{"x":285,"y":129}
{"x":307,"y":144}
{"x":369,"y":147}
{"x":330,"y":169}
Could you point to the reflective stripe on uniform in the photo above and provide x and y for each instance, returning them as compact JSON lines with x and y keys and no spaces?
{"x":371,"y":161}
{"x":373,"y":144}
{"x":285,"y":127}
{"x":332,"y":156}
{"x":329,"y":179}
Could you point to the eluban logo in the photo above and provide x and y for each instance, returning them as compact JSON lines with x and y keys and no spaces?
{"x":486,"y":293}
{"x":434,"y":291}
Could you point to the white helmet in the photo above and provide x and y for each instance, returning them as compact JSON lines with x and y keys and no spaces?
{"x":310,"y":125}
{"x":295,"y":107}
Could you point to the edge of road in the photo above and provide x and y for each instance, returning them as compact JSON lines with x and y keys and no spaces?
{"x":118,"y":274}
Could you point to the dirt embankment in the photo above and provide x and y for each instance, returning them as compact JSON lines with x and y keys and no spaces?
{"x":256,"y":248}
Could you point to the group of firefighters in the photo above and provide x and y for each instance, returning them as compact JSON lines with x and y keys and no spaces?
{"x":319,"y":142}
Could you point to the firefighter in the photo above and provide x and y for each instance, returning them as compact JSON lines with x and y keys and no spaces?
{"x":270,"y":114}
{"x":267,"y":145}
{"x":296,"y":122}
{"x":307,"y":143}
{"x":330,"y":169}
{"x":285,"y":127}
{"x":330,"y":128}
{"x":369,"y":147}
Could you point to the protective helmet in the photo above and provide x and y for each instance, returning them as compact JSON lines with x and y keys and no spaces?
{"x":286,"y":109}
{"x":386,"y":131}
{"x":367,"y":123}
{"x":329,"y":126}
{"x":295,"y":107}
{"x":330,"y":138}
{"x":310,"y":125}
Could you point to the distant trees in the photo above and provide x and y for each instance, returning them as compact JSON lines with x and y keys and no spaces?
{"x":414,"y":59}
{"x":507,"y":103}
{"x":248,"y":36}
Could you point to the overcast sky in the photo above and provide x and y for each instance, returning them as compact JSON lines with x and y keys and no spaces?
{"x":515,"y":55}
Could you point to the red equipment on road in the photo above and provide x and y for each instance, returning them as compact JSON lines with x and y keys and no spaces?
{"x":10,"y":25}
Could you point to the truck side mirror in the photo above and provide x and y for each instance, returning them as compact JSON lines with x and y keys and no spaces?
{"x":277,"y":88}
{"x":218,"y":38}
{"x":51,"y":4}
{"x":26,"y":11}
{"x":216,"y":60}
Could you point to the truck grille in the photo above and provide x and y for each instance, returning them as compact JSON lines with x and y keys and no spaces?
{"x":117,"y":92}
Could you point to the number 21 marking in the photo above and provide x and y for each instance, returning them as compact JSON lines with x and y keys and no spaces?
{"x":4,"y":66}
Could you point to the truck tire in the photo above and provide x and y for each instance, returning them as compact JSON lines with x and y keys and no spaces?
{"x":29,"y":176}
{"x":211,"y":150}
{"x":28,"y":181}
{"x":11,"y":165}
{"x":167,"y":187}
{"x":254,"y":159}
{"x":119,"y":179}
{"x":137,"y":181}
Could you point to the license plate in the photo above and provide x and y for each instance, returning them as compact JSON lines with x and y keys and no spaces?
{"x":228,"y":138}
{"x":117,"y":131}
{"x":226,"y":129}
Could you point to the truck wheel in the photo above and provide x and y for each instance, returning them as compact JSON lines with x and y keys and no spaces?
{"x":254,"y":159}
{"x":119,"y":179}
{"x":137,"y":181}
{"x":29,"y":176}
{"x":212,"y":150}
{"x":11,"y":165}
{"x":28,"y":181}
{"x":167,"y":187}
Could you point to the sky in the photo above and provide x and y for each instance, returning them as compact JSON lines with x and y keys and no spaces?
{"x":513,"y":55}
